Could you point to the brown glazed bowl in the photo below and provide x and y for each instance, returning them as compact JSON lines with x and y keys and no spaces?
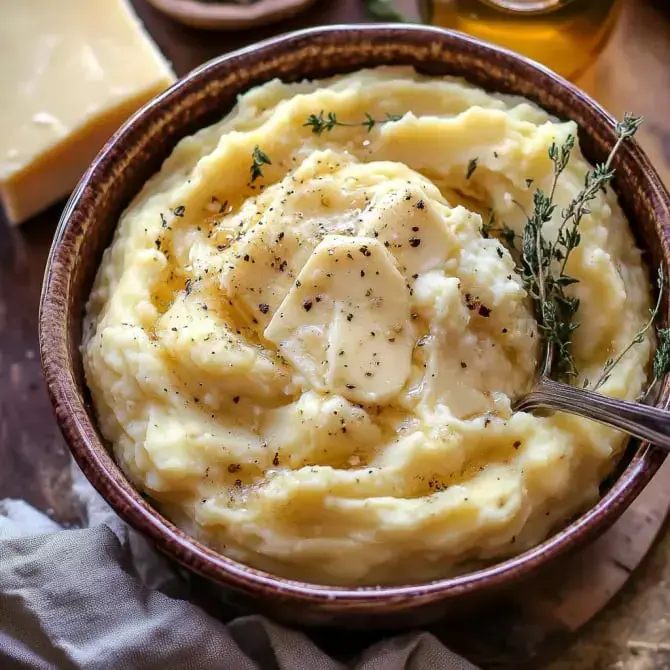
{"x":136,"y":152}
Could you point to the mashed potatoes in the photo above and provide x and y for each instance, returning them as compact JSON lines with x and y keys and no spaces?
{"x":312,"y":371}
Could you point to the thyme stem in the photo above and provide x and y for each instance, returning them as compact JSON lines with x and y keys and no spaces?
{"x":610,"y":364}
{"x":321,"y":122}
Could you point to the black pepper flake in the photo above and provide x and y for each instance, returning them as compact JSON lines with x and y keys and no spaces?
{"x":179,"y":210}
{"x":307,"y":304}
{"x":238,"y":483}
{"x":500,"y":252}
{"x":280,"y":237}
{"x":368,"y":374}
{"x":350,"y":386}
{"x":163,"y":221}
{"x":472,"y":303}
{"x":264,"y":307}
{"x":158,"y":244}
{"x":350,"y":317}
{"x":484,"y":311}
{"x":234,"y":467}
{"x":362,"y":273}
{"x":298,"y":283}
{"x":415,"y":229}
{"x":173,"y":329}
{"x":504,"y":330}
{"x":365,"y":251}
{"x":464,"y":364}
{"x":188,"y":286}
{"x":529,"y":183}
{"x":517,"y":444}
{"x":391,"y":340}
{"x":414,"y":242}
{"x":420,"y":205}
{"x":236,"y":399}
{"x":246,"y":257}
{"x":318,"y":298}
{"x":275,"y":460}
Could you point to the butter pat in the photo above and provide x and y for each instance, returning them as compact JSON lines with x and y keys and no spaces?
{"x":345,"y":323}
{"x":74,"y":71}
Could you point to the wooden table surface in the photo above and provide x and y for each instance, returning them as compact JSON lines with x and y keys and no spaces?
{"x":633,"y":73}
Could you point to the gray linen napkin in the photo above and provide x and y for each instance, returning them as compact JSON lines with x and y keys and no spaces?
{"x":101,"y":598}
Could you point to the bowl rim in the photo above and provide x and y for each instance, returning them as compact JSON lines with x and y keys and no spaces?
{"x":83,"y":441}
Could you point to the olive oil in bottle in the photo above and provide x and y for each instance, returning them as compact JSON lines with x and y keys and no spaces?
{"x":564,"y":35}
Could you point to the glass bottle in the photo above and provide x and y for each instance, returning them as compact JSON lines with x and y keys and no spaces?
{"x":564,"y":35}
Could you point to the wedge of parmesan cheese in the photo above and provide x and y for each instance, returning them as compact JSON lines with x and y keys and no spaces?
{"x":74,"y":71}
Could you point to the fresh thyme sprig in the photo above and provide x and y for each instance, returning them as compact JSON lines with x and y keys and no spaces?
{"x":544,"y":263}
{"x":556,"y":309}
{"x":320,"y":123}
{"x":568,"y":232}
{"x":258,"y":159}
{"x":662,"y":357}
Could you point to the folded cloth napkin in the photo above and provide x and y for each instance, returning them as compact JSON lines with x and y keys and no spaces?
{"x":101,"y":598}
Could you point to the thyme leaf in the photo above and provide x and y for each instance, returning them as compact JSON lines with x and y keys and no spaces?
{"x":503,"y":232}
{"x":258,"y":159}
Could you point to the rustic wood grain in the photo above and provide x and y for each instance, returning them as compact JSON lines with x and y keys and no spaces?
{"x":632,"y":74}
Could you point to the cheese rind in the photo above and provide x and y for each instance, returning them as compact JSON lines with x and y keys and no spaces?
{"x":79,"y":68}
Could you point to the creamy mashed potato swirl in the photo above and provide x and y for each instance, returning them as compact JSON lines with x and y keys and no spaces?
{"x":313,"y":371}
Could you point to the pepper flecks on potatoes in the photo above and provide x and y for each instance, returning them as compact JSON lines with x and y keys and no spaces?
{"x":341,"y":410}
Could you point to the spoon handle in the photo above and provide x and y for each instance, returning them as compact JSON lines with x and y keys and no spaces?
{"x":647,"y":423}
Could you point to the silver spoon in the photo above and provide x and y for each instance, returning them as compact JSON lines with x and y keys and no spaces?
{"x":648,"y":423}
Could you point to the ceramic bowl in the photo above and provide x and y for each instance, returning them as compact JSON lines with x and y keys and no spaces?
{"x":136,"y":152}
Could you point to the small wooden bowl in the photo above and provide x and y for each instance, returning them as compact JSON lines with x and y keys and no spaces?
{"x":215,"y":16}
{"x":136,"y":152}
